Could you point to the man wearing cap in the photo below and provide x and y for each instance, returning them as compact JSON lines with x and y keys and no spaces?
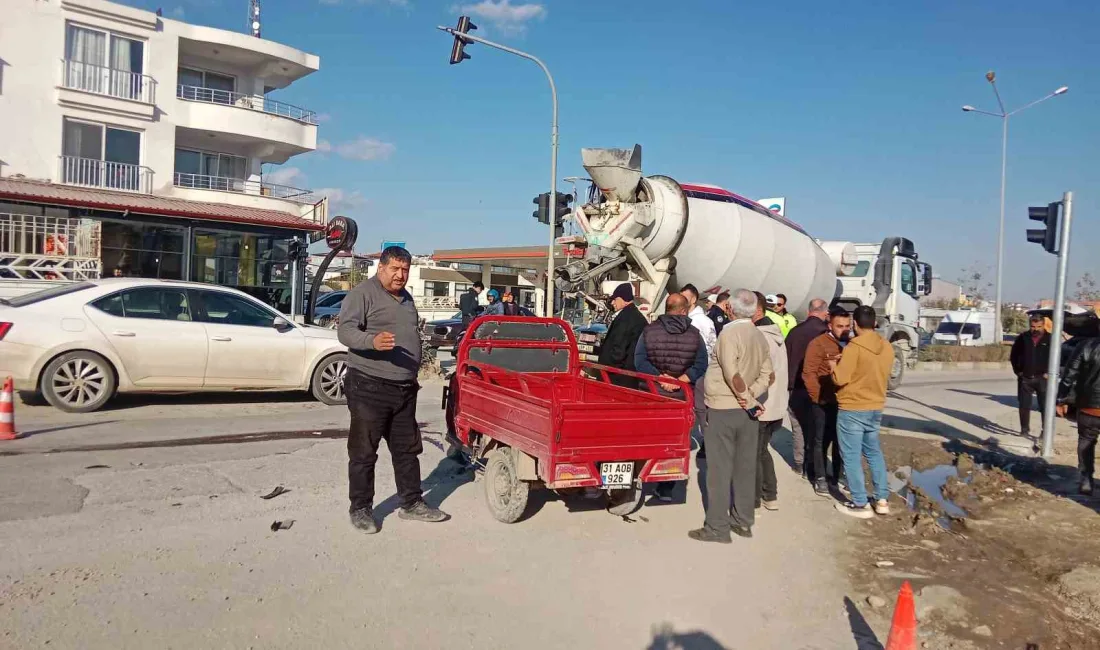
{"x":777,"y":312}
{"x":719,"y":314}
{"x":617,"y":349}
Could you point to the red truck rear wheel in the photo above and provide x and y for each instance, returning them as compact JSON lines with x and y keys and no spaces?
{"x":505,"y":494}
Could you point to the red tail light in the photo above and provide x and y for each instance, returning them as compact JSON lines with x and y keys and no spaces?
{"x":571,"y":472}
{"x":668,"y":467}
{"x":4,"y":329}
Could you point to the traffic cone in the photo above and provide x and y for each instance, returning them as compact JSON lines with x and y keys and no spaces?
{"x":903,"y":629}
{"x":7,"y":412}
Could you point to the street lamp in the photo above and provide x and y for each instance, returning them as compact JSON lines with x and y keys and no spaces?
{"x":463,"y":38}
{"x":991,"y":77}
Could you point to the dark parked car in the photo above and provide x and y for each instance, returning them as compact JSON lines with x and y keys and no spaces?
{"x":445,"y":332}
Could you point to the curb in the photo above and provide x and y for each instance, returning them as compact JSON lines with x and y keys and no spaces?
{"x":932,"y":366}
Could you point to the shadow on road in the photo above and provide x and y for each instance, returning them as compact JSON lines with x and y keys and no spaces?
{"x":1005,"y":400}
{"x":441,"y":483}
{"x":983,"y":423}
{"x":126,"y":401}
{"x":864,"y":636}
{"x":64,"y":427}
{"x":666,"y":638}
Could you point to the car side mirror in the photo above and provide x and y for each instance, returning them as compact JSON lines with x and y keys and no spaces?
{"x":280,"y":323}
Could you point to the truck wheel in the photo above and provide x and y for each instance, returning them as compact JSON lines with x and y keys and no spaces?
{"x":624,"y":502}
{"x":505,"y":494}
{"x":897,"y":371}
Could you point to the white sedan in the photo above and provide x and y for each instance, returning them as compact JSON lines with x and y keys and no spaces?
{"x":79,"y":344}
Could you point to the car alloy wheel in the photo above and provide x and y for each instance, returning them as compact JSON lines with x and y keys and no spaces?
{"x":78,"y":382}
{"x":328,"y":380}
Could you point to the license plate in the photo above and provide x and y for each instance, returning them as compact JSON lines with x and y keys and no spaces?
{"x":588,"y":338}
{"x":585,"y":348}
{"x":617,"y":475}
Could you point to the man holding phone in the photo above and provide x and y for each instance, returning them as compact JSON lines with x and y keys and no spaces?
{"x":379,"y":324}
{"x":817,"y":376}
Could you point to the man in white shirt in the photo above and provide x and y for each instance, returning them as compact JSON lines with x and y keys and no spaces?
{"x":701,"y":322}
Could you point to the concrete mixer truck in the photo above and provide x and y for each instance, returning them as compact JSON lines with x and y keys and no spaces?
{"x":657,"y":233}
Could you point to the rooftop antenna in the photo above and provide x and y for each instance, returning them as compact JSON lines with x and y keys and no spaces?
{"x":254,"y":17}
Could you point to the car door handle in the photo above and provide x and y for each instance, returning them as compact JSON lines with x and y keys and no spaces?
{"x":220,"y":338}
{"x":123,"y":333}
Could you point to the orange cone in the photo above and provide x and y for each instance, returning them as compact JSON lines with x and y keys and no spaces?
{"x":7,"y":412}
{"x":903,"y":629}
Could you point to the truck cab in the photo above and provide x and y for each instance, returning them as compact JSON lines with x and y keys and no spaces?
{"x":889,"y":277}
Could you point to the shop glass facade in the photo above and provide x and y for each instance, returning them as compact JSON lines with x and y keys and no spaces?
{"x":256,"y":264}
{"x":143,"y":250}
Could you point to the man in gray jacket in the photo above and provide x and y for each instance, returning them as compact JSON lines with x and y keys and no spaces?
{"x":378,"y":323}
{"x":733,"y":387}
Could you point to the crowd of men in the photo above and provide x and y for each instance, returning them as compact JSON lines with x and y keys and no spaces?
{"x":749,"y":364}
{"x":742,"y":356}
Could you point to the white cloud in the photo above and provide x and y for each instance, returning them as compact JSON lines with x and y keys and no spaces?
{"x":178,"y":13}
{"x":322,"y":118}
{"x":286,"y":176}
{"x":340,"y":200}
{"x":395,"y":3}
{"x":505,"y":16}
{"x":324,"y":146}
{"x":361,"y":148}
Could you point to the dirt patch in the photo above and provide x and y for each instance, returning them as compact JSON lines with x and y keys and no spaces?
{"x":1000,"y":554}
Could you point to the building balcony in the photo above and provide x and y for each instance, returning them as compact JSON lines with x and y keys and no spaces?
{"x":91,"y":86}
{"x":92,"y":172}
{"x":241,"y":186}
{"x":250,"y":102}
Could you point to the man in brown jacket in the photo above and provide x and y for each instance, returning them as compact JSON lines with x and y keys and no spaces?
{"x":732,"y":388}
{"x":861,"y":378}
{"x":816,"y":374}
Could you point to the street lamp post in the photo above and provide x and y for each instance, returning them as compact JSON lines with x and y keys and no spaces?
{"x":553,"y":147}
{"x":991,"y":77}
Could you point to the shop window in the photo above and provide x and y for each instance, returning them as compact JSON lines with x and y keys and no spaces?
{"x":255,"y":264}
{"x":142,"y":250}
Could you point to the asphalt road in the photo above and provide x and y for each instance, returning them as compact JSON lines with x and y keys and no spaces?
{"x":119,"y":531}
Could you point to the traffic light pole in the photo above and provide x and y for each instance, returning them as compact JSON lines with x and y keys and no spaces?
{"x":1055,"y":361}
{"x":553,"y":153}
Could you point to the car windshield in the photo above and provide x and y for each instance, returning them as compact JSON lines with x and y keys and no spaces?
{"x":45,"y":294}
{"x":330,"y":300}
{"x":954,"y":329}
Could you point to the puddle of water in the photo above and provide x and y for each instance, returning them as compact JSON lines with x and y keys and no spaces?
{"x":931,"y":482}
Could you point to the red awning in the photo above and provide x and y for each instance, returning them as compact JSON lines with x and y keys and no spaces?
{"x":18,"y":189}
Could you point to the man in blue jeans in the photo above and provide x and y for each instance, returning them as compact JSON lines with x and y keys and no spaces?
{"x":860,"y":376}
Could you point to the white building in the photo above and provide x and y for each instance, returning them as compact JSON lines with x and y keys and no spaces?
{"x":137,"y":143}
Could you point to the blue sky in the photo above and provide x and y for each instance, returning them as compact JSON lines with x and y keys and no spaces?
{"x":851,"y":110}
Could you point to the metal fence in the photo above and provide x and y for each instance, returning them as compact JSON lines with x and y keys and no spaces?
{"x":92,"y":78}
{"x":92,"y":172}
{"x":34,"y":247}
{"x":241,"y":100}
{"x":258,"y":188}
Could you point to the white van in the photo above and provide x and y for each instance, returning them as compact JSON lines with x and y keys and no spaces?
{"x":966,"y":327}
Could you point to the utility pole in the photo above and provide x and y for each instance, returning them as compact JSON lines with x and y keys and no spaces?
{"x":462,"y":38}
{"x":1054,"y":364}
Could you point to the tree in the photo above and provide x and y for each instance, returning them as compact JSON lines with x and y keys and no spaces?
{"x":974,"y":283}
{"x":1013,"y":321}
{"x":1086,"y":289}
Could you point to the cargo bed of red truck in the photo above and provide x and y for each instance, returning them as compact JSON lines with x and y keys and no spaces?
{"x":525,"y":405}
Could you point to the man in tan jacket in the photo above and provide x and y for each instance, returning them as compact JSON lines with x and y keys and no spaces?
{"x":861,"y":378}
{"x":732,"y":388}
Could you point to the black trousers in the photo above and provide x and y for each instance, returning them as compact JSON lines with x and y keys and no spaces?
{"x":1088,"y":430}
{"x":1025,"y":388}
{"x":766,"y":486}
{"x":382,"y":410}
{"x":825,"y":442}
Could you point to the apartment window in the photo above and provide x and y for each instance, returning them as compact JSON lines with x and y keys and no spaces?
{"x":101,"y":156}
{"x":436,"y":289}
{"x":461,"y":288}
{"x":204,"y":86}
{"x":210,"y":171}
{"x":102,"y":62}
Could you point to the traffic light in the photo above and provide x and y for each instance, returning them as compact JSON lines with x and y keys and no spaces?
{"x":561,"y":207}
{"x":1047,"y":237}
{"x":464,"y":26}
{"x":542,"y":214}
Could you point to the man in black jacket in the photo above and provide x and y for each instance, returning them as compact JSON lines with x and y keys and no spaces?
{"x":720,"y":312}
{"x":468,"y":303}
{"x":800,"y":406}
{"x":617,"y":349}
{"x":1029,"y":356}
{"x":1080,"y":386}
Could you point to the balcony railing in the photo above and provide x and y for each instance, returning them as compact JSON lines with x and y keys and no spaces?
{"x":240,"y":100}
{"x":92,"y":172}
{"x":102,"y":80}
{"x":241,"y":186}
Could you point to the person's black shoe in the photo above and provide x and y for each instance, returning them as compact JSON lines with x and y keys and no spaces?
{"x":741,"y":531}
{"x":1086,"y":485}
{"x":707,"y":535}
{"x":363,"y":519}
{"x":821,"y":488}
{"x":421,"y":511}
{"x":798,"y":469}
